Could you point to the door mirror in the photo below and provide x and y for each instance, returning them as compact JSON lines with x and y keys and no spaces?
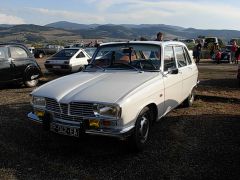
{"x":172,"y":70}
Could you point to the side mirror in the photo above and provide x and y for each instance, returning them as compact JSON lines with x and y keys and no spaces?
{"x":172,"y":70}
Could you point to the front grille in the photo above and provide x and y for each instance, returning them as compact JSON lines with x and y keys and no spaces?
{"x":74,"y":108}
{"x":68,"y":117}
{"x":81,"y":109}
{"x":64,"y":108}
{"x":52,"y":105}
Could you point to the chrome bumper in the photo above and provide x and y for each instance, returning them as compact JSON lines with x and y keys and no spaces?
{"x":118,"y":133}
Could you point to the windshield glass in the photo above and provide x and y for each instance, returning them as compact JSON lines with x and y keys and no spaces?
{"x":66,"y":53}
{"x":90,"y":51}
{"x":144,"y":57}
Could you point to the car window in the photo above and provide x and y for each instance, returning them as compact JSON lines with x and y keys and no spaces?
{"x":66,"y":53}
{"x":181,"y":60}
{"x":80,"y":55}
{"x":187,"y":57}
{"x":18,"y":52}
{"x":128,"y":56}
{"x":3,"y":53}
{"x":169,"y":59}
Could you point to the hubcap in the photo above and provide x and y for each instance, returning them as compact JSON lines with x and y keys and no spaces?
{"x":144,"y":128}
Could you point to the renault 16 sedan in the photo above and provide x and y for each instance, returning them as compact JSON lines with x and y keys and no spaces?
{"x":126,"y":88}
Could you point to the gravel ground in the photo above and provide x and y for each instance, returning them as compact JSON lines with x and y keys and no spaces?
{"x":189,"y":143}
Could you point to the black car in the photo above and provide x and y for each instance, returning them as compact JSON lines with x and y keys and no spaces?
{"x":18,"y":65}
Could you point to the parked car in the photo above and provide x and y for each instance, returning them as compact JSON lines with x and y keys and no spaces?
{"x":226,"y":53}
{"x":121,"y":93}
{"x":18,"y":65}
{"x":47,"y":50}
{"x":67,"y":60}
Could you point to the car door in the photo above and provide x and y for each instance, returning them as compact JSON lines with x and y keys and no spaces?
{"x":19,"y":60}
{"x":172,"y":82}
{"x":5,"y":65}
{"x":185,"y":69}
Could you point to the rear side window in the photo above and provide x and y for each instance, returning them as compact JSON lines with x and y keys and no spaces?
{"x":169,"y":59}
{"x":3,"y":53}
{"x":180,"y":55}
{"x":18,"y":52}
{"x":80,"y":55}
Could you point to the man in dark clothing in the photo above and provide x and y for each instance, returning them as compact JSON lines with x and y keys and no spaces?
{"x":159,"y":36}
{"x":198,"y":52}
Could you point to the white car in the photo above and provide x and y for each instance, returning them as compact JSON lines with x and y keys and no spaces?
{"x":127,"y":87}
{"x":67,"y":60}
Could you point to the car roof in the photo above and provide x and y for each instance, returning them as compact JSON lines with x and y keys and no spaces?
{"x":160,"y":43}
{"x":10,"y":43}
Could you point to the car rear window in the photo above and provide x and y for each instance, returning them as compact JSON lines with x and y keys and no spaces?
{"x":66,"y":53}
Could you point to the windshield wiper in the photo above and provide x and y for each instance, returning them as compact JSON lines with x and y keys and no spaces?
{"x":127,"y":65}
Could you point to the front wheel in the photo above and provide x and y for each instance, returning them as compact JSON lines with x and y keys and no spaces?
{"x":31,"y":83}
{"x":140,"y":135}
{"x":188,"y":102}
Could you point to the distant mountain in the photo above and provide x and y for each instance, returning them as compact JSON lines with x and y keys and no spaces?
{"x":6,"y":25}
{"x":72,"y":32}
{"x":71,"y":26}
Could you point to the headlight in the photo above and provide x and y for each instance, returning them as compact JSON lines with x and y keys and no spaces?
{"x":107,"y":110}
{"x":38,"y":101}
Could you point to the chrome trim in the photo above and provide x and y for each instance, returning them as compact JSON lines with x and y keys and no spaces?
{"x":112,"y":133}
{"x":31,"y":116}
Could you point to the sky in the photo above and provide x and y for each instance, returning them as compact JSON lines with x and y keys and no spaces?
{"x":201,"y":14}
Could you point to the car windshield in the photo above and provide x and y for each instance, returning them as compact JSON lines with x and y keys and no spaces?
{"x":90,"y":51}
{"x":144,"y":57}
{"x":66,"y":53}
{"x":3,"y":53}
{"x":210,"y":40}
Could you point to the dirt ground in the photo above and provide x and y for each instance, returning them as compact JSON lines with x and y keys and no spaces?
{"x":201,"y":142}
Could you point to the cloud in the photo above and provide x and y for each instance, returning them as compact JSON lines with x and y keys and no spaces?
{"x":8,"y":19}
{"x":68,"y":15}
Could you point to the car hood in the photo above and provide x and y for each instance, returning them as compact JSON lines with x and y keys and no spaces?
{"x":94,"y":86}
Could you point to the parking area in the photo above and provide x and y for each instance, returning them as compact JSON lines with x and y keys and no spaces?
{"x":189,"y":143}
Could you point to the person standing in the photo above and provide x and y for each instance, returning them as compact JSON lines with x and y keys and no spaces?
{"x":159,"y":36}
{"x":198,"y":52}
{"x":233,"y":52}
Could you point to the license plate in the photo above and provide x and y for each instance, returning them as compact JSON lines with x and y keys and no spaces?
{"x":65,"y":130}
{"x":57,"y":67}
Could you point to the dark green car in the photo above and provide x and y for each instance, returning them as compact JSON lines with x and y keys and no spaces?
{"x":18,"y":65}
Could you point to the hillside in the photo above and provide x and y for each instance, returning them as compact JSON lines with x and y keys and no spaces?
{"x":68,"y":32}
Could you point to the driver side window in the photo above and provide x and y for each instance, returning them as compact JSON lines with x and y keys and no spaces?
{"x":169,"y":58}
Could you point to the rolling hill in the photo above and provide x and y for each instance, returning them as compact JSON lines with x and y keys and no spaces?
{"x":68,"y":32}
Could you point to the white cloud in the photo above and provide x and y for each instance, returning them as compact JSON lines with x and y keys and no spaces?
{"x":68,"y":15}
{"x":8,"y":19}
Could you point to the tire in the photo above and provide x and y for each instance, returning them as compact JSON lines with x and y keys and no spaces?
{"x":80,"y":69}
{"x":188,"y":102}
{"x":31,"y":77}
{"x":140,"y":135}
{"x":31,"y":83}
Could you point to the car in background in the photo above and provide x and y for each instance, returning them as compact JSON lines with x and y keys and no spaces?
{"x":126,"y":88}
{"x":47,"y":50}
{"x":226,"y":53}
{"x":67,"y":60}
{"x":18,"y":65}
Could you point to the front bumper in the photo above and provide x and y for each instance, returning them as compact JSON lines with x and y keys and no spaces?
{"x":111,"y":132}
